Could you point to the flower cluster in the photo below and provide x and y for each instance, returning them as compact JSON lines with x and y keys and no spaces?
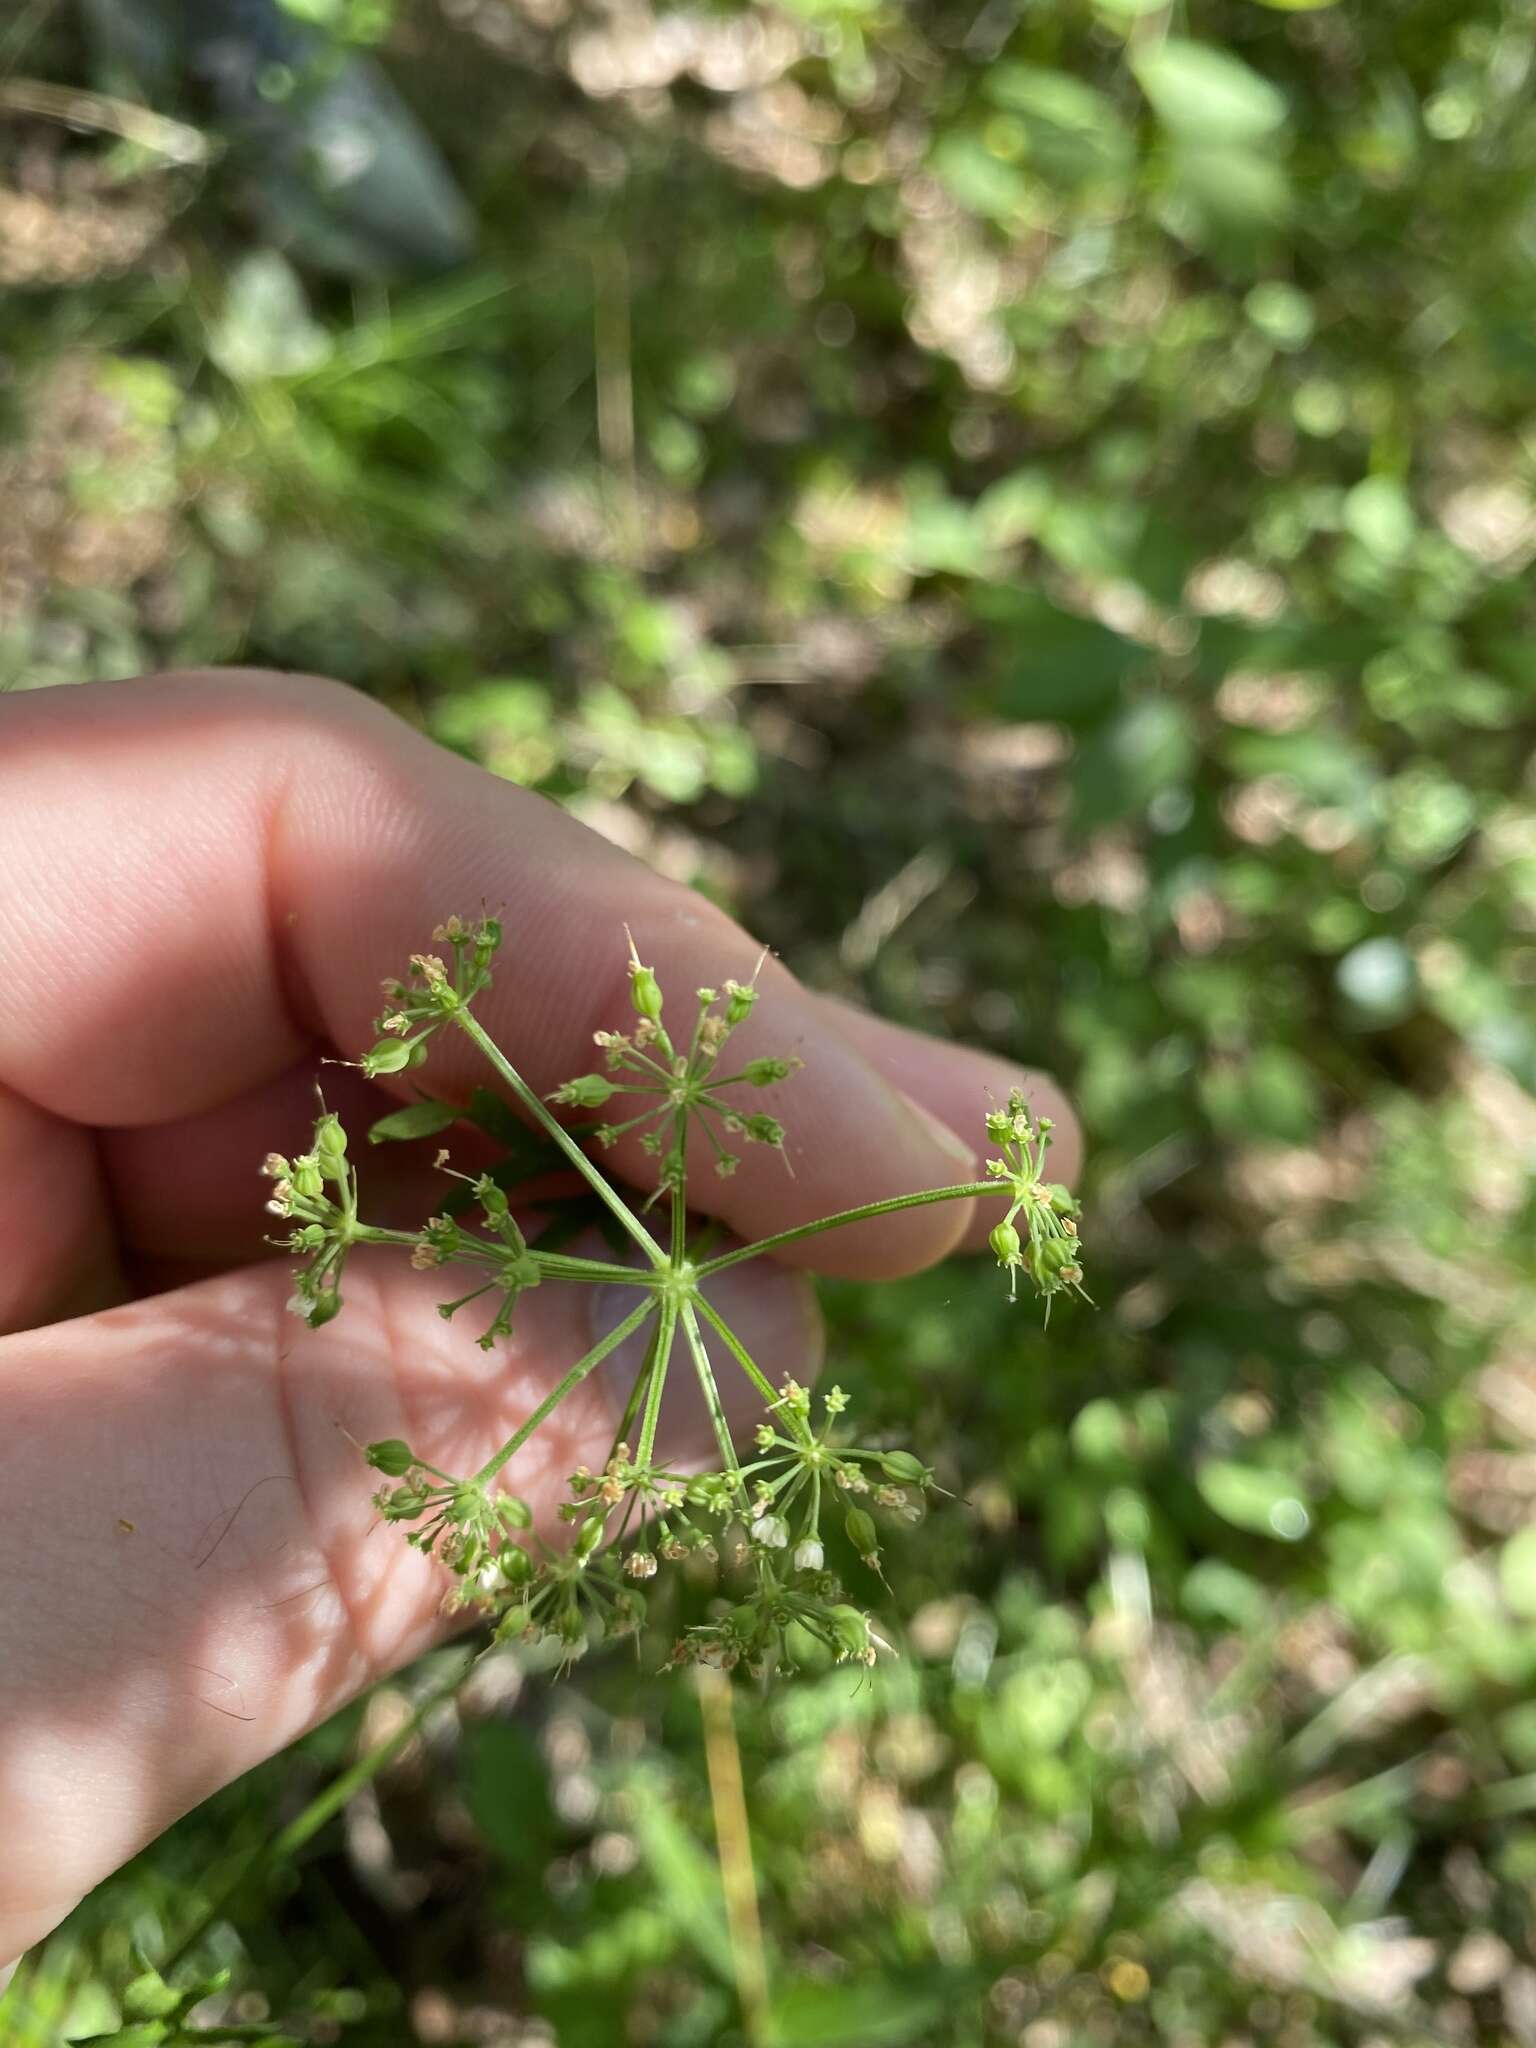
{"x":1048,"y":1250}
{"x":767,"y":1531}
{"x":325,"y":1227}
{"x":679,"y":1090}
{"x":431,"y":994}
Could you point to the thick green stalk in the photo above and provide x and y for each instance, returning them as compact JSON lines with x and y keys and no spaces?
{"x":656,"y":1384}
{"x":890,"y":1207}
{"x":469,"y":1024}
{"x":553,"y":1265}
{"x":737,"y":1349}
{"x":711,"y":1391}
{"x":573,"y":1378}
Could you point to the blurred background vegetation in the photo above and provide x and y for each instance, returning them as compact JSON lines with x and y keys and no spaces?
{"x":1030,"y":503}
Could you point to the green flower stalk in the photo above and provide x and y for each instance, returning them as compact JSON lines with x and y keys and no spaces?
{"x":805,"y":1476}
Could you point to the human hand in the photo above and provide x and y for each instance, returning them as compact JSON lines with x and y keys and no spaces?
{"x":205,"y":879}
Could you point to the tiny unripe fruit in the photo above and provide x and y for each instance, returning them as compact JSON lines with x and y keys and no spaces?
{"x":645,"y":993}
{"x":764,"y":1072}
{"x":738,"y":1005}
{"x":389,"y":1056}
{"x":902,"y":1465}
{"x":1004,"y":1240}
{"x":862,"y":1533}
{"x":330,"y":1141}
{"x":587,"y":1091}
{"x":392,"y":1456}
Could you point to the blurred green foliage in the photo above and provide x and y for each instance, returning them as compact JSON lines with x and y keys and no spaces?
{"x":1030,"y":504}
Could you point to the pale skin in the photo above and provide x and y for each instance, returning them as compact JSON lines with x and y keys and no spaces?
{"x":203,"y":880}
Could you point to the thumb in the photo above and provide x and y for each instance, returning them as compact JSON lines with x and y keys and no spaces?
{"x":191,"y":1569}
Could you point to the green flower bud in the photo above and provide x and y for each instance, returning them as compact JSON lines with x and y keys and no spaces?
{"x":321,"y":1307}
{"x":862,"y":1534}
{"x":389,"y":1056}
{"x":1004,"y":1240}
{"x":403,"y":1504}
{"x":902,"y":1465}
{"x":1050,"y":1257}
{"x":516,"y":1564}
{"x":645,"y":993}
{"x":307,"y":1178}
{"x":738,"y":1003}
{"x":764,"y":1072}
{"x":587,"y":1091}
{"x":850,"y":1632}
{"x":331,"y":1147}
{"x":391,"y":1456}
{"x":149,"y":1997}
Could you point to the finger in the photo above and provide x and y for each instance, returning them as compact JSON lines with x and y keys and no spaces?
{"x":214,"y":1579}
{"x":57,"y":1255}
{"x":958,"y":1085}
{"x":235,"y":862}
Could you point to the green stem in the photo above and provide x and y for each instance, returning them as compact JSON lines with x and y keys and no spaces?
{"x":966,"y":1190}
{"x":573,"y":1378}
{"x":655,"y":1385}
{"x":636,"y":1395}
{"x":554,"y":1265}
{"x":475,"y":1032}
{"x":737,"y":1349}
{"x":326,"y":1803}
{"x":711,"y":1393}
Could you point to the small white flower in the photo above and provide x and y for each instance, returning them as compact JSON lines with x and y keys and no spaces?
{"x":772,"y":1531}
{"x":809,"y":1555}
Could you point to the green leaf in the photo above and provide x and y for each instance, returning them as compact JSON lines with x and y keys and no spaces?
{"x":149,"y":1997}
{"x":506,"y":1785}
{"x":1204,"y":95}
{"x":1054,"y":664}
{"x":873,"y":2014}
{"x":1251,"y":1497}
{"x":687,"y":1879}
{"x":422,"y":1119}
{"x":1148,"y":748}
{"x":487,"y":1112}
{"x":1073,"y":134}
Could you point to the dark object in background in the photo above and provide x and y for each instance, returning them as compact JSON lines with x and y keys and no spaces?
{"x":332,"y":160}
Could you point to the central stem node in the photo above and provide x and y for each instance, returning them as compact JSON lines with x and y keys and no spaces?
{"x":680,"y":1284}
